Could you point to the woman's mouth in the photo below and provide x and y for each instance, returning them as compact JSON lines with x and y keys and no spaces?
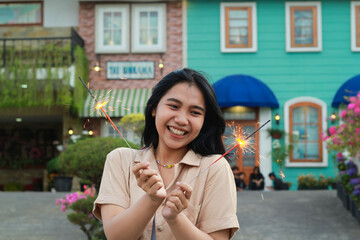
{"x":177,"y":131}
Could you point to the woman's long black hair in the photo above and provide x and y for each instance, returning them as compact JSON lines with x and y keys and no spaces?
{"x":209,"y":141}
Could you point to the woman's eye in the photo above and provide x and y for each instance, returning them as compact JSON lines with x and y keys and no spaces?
{"x":196,"y":113}
{"x":172,"y":106}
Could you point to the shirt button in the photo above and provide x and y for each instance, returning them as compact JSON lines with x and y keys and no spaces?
{"x":159,"y":228}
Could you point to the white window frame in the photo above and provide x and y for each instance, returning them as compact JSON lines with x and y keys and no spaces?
{"x":317,"y":101}
{"x":354,"y":33}
{"x":99,"y":11}
{"x":253,"y":47}
{"x":136,"y":47}
{"x":289,"y":48}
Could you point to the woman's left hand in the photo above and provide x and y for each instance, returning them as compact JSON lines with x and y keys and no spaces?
{"x":177,"y":201}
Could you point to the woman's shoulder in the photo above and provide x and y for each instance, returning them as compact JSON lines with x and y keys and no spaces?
{"x":122,"y":156}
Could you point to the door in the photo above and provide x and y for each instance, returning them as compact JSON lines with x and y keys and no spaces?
{"x":246,"y":157}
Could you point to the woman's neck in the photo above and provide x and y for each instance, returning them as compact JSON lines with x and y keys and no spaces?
{"x":169,"y":156}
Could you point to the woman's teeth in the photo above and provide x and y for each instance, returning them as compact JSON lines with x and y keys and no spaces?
{"x":176,"y":131}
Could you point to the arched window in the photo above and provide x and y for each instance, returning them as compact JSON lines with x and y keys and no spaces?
{"x":305,"y":125}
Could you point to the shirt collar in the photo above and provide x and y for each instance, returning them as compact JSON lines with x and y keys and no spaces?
{"x":190,"y":158}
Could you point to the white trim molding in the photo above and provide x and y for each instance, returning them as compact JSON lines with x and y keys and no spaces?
{"x":288,"y":36}
{"x":265,"y":143}
{"x":254,"y":41}
{"x":317,"y":101}
{"x":354,"y":48}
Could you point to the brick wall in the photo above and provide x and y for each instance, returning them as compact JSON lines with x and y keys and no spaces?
{"x":172,"y":59}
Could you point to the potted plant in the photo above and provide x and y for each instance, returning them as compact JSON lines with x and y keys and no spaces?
{"x":275,"y":133}
{"x":57,"y":178}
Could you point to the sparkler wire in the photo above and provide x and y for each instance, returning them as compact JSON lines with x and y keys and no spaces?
{"x":106,"y":115}
{"x":250,"y":135}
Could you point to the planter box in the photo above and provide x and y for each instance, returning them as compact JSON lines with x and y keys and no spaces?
{"x":63,"y":184}
{"x":346,"y":202}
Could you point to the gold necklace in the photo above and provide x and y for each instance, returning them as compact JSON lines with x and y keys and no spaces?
{"x":164,"y":165}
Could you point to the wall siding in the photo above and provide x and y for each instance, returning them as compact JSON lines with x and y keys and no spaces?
{"x":289,"y":75}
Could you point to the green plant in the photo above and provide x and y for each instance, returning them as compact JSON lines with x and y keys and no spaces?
{"x":135,"y":122}
{"x":13,"y":187}
{"x":310,"y":182}
{"x":280,"y":152}
{"x":86,"y":157}
{"x":52,"y":166}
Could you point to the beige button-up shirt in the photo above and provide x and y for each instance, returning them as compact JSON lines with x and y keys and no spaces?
{"x":212,"y":206}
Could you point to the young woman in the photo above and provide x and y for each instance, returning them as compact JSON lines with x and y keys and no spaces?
{"x":157,"y":193}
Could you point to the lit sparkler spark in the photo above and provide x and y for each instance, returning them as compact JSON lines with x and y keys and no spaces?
{"x":100,"y":105}
{"x":242,"y":141}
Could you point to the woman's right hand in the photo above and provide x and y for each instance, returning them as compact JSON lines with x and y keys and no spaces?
{"x":150,"y":181}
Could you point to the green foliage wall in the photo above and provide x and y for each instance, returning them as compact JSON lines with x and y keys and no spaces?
{"x":23,"y":66}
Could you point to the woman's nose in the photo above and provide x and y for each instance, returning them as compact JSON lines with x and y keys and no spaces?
{"x":181,"y":118}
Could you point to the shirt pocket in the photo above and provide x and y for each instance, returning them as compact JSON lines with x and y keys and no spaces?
{"x":192,"y":213}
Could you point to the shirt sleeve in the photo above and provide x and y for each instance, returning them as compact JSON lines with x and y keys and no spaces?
{"x":114,"y":183}
{"x":218,"y":209}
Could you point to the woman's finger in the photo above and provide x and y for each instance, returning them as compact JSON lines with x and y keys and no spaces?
{"x":185,"y":188}
{"x":140,"y":166}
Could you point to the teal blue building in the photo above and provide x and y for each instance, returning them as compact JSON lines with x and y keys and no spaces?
{"x":284,"y":59}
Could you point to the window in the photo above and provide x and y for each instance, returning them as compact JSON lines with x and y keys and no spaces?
{"x":148,"y":28}
{"x":111,"y":28}
{"x":303,"y":26}
{"x":14,"y":14}
{"x":304,"y":124}
{"x":238,"y":27}
{"x":355,"y":26}
{"x":107,"y":130}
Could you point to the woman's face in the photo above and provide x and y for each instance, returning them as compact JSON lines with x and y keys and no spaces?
{"x":179,"y":116}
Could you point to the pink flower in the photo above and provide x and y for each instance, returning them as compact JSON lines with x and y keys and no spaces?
{"x":343,"y":114}
{"x":351,"y":105}
{"x":339,"y":155}
{"x":357,"y":110}
{"x":352,"y":99}
{"x":332,"y":130}
{"x":357,"y":131}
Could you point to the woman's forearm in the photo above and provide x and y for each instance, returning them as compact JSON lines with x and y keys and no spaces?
{"x":182,"y":228}
{"x":131,"y":223}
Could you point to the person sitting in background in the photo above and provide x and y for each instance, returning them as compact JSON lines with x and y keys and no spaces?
{"x":278,"y":184}
{"x":239,"y":179}
{"x":256,"y":180}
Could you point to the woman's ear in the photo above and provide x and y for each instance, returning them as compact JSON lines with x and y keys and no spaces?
{"x":153,"y":112}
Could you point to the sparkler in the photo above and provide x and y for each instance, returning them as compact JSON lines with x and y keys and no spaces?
{"x":239,"y":143}
{"x":100,"y":105}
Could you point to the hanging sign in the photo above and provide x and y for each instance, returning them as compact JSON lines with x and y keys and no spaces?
{"x":130,"y":70}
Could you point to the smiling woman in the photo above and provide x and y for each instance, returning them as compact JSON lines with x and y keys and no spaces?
{"x":149,"y":193}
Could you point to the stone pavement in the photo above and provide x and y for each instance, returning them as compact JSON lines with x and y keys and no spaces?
{"x":286,"y":215}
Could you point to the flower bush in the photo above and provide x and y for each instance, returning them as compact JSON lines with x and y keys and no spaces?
{"x":81,"y":203}
{"x":309,"y":182}
{"x":346,"y":136}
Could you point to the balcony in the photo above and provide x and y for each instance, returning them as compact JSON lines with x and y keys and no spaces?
{"x":40,"y":71}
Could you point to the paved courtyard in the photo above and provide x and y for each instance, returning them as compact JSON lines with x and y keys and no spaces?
{"x":287,"y":215}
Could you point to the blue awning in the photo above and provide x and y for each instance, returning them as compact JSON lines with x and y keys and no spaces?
{"x":350,"y":88}
{"x":243,"y":90}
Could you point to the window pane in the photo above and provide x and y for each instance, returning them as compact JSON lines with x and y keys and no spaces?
{"x":238,"y":40}
{"x":117,"y":37}
{"x":238,"y":23}
{"x":153,"y":37}
{"x":303,"y":22}
{"x":107,"y":20}
{"x":143,"y":37}
{"x":312,"y":116}
{"x":143,"y":20}
{"x":299,"y":132}
{"x":299,"y":150}
{"x":238,"y":14}
{"x":298,"y":115}
{"x":107,"y":38}
{"x":249,"y":161}
{"x":20,"y":13}
{"x":312,"y":132}
{"x":117,"y":20}
{"x":304,"y":40}
{"x":301,"y":31}
{"x":312,"y":150}
{"x":303,"y":14}
{"x":153,"y":19}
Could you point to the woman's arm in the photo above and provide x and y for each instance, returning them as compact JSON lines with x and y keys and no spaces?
{"x":121,"y":223}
